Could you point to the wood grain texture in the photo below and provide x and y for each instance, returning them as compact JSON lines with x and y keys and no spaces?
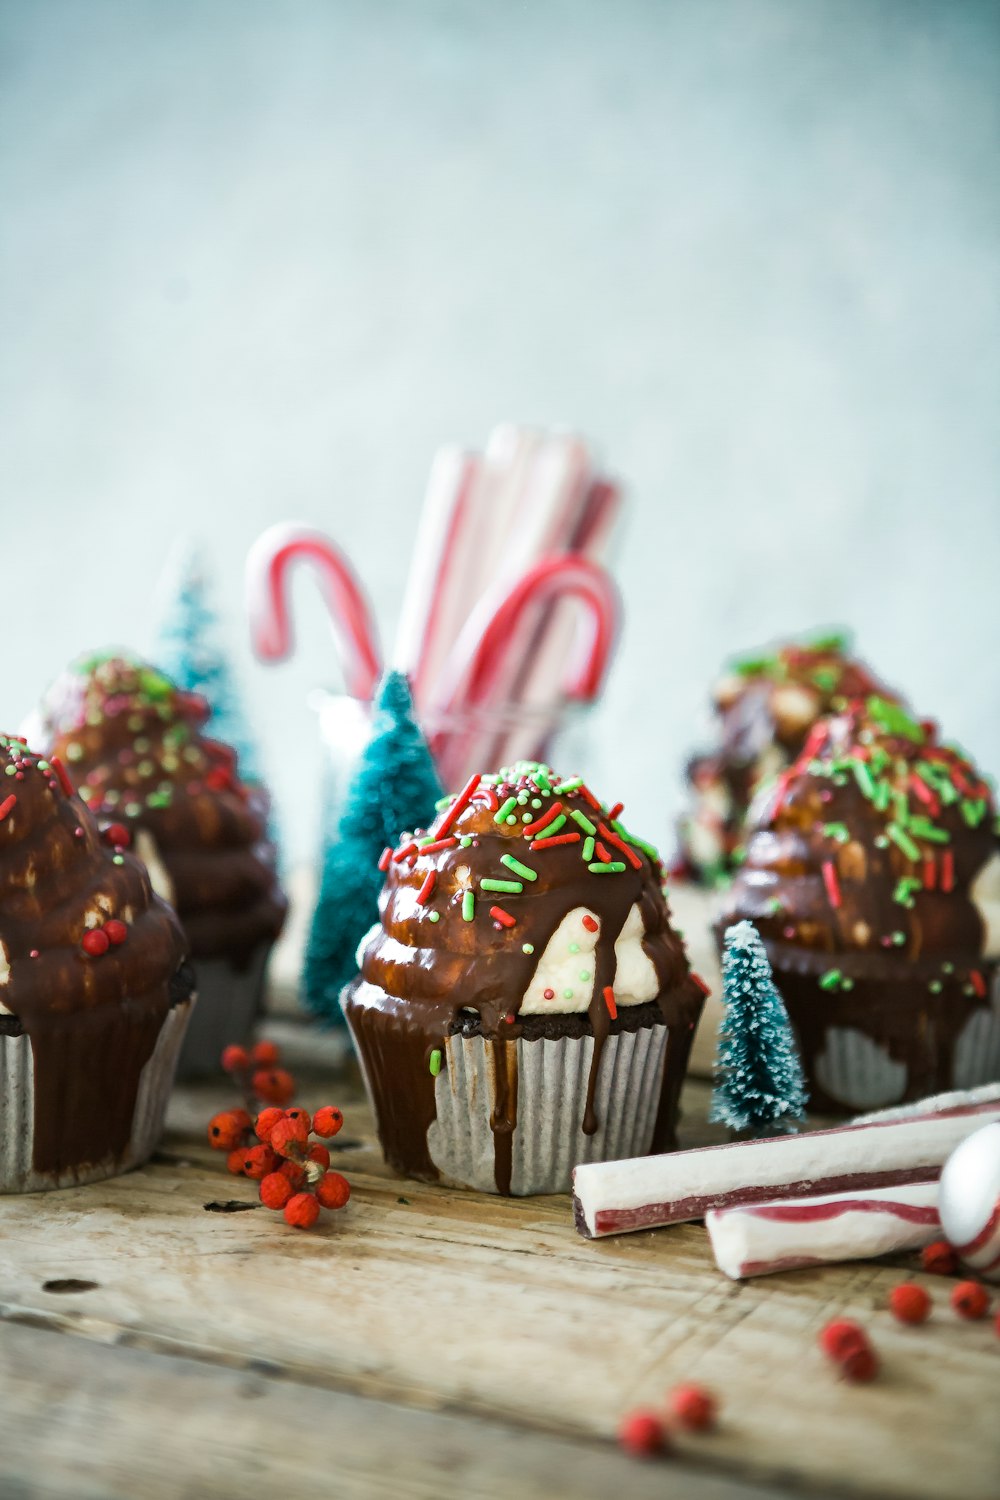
{"x":447,"y":1300}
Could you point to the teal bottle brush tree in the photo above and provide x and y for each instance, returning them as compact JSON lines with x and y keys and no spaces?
{"x":759,"y":1086}
{"x":393,"y":789}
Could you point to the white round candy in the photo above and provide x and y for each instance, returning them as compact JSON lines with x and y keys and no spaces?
{"x":969,"y":1201}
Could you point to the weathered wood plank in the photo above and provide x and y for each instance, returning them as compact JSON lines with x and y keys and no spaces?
{"x":446,"y":1299}
{"x":90,"y":1423}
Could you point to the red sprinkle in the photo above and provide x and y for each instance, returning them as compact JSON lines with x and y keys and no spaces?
{"x":929,"y":872}
{"x":602,"y":853}
{"x":910,"y":1303}
{"x":831,"y":882}
{"x":60,"y":771}
{"x":557,"y":838}
{"x":384,"y":858}
{"x":95,"y":942}
{"x":947,"y":870}
{"x":609,"y":1000}
{"x":549,"y":994}
{"x":939,"y":1258}
{"x":590,"y":924}
{"x":587,"y":794}
{"x":7,"y":804}
{"x":615,"y":812}
{"x":548,"y":816}
{"x":697,"y":980}
{"x":408,"y":851}
{"x":459,"y":805}
{"x":118,"y":835}
{"x":503,"y":917}
{"x":438,"y":845}
{"x":978,"y":982}
{"x":970,"y":1300}
{"x":424,"y":892}
{"x":621,"y":845}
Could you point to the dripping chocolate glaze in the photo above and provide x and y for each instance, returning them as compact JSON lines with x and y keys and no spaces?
{"x":93,"y":1022}
{"x":132,"y":743}
{"x":782,"y":889}
{"x":419,"y":977}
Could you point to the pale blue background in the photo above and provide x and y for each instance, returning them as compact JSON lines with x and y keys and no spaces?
{"x":258,"y":259}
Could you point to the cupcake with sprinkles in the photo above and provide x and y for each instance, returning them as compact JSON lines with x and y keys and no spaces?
{"x":95,"y":995}
{"x":764,"y":706}
{"x":133,"y":745}
{"x":524,"y":1003}
{"x":873,"y":877}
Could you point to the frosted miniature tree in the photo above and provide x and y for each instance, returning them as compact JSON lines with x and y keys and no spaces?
{"x":189,"y":649}
{"x":759,"y":1087}
{"x":394,"y":789}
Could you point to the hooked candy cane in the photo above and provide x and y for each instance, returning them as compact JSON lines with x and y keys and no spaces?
{"x":268,"y":566}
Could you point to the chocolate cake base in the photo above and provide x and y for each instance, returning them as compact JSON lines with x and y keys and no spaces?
{"x":230,"y":1001}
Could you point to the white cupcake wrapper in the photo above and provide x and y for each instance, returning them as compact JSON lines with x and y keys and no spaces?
{"x":977,"y":1051}
{"x":857,"y":1072}
{"x":229,"y":1002}
{"x":17,"y":1111}
{"x":548,"y":1139}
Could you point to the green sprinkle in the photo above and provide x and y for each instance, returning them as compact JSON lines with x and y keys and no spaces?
{"x":512,"y":819}
{"x":10,"y":770}
{"x":74,"y":751}
{"x":522,"y":799}
{"x":947,"y":968}
{"x":524,"y":871}
{"x":465,"y":842}
{"x":574,"y":947}
{"x":899,"y":938}
{"x":433,"y":916}
{"x":506,"y":808}
{"x":542,"y":781}
{"x":903,"y":894}
{"x":567,"y":994}
{"x":880,"y":841}
{"x":614,"y":868}
{"x":923,"y":828}
{"x":536,"y":803}
{"x":442,"y":803}
{"x":582,"y":821}
{"x":588,"y":849}
{"x":894,"y":720}
{"x":650,"y":850}
{"x":511,"y":887}
{"x":838,"y":831}
{"x":434,"y":1062}
{"x":863,"y":777}
{"x":526,"y":817}
{"x":569,"y":786}
{"x":973,"y":811}
{"x":830,"y":980}
{"x":117,"y":859}
{"x":553,"y":828}
{"x":902,"y":840}
{"x":527,"y":948}
{"x":584,"y":975}
{"x":468,"y":906}
{"x":935,"y":986}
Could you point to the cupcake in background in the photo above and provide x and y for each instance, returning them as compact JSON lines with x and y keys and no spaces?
{"x":94,"y":992}
{"x":133,"y":745}
{"x":764,"y":707}
{"x":524,"y":1003}
{"x":873,"y":876}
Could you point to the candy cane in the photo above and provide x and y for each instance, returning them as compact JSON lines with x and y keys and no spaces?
{"x":269,"y":562}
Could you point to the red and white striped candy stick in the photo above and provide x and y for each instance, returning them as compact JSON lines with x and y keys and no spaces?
{"x":269,"y":563}
{"x":760,"y":1238}
{"x":650,"y":1191}
{"x":471,"y":672}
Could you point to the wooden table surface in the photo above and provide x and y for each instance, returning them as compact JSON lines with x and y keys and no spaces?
{"x":157,"y":1341}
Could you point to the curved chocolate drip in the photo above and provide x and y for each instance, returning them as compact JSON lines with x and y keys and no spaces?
{"x":132,"y":743}
{"x":61,"y":883}
{"x":440,"y":954}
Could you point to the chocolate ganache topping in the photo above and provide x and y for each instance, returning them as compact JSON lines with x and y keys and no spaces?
{"x":132,"y":743}
{"x":468,"y":913}
{"x":764,"y":707}
{"x":90,"y":962}
{"x":878,"y":844}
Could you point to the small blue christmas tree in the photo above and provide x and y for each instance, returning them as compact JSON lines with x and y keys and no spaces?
{"x":394,"y":788}
{"x":189,"y":649}
{"x":759,"y":1087}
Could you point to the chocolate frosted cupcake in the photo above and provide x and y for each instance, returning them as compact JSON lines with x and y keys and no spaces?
{"x":764,"y":707}
{"x":524,"y":1003}
{"x":132,"y":743}
{"x":94,"y":994}
{"x":873,"y":876}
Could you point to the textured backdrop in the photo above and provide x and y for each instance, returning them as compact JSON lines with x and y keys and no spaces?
{"x":258,"y":259}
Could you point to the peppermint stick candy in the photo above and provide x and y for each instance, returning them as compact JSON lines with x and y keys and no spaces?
{"x":759,"y":1238}
{"x":648,"y":1192}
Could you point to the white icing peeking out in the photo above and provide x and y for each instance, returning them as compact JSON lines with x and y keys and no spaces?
{"x":563,"y":981}
{"x":145,"y":848}
{"x":985,"y":895}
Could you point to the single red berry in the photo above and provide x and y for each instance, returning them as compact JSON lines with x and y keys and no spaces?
{"x":234,"y":1161}
{"x":693,"y":1406}
{"x":318,"y":1153}
{"x":287,"y":1135}
{"x":275,"y":1190}
{"x":642,"y":1433}
{"x":909,"y":1303}
{"x":118,"y":835}
{"x":265,"y":1054}
{"x":939,"y":1258}
{"x":116,"y":932}
{"x":296,"y":1112}
{"x":840,"y":1337}
{"x":970,"y":1300}
{"x":95,"y":942}
{"x":302,"y":1210}
{"x":258,"y":1161}
{"x":227,"y":1130}
{"x":327,"y":1121}
{"x":266,"y":1121}
{"x":860,"y":1364}
{"x":295,"y":1173}
{"x":332,"y":1190}
{"x":274,"y":1086}
{"x":235,"y":1059}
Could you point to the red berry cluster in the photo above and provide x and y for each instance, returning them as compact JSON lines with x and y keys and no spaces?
{"x":646,"y":1432}
{"x":97,"y":940}
{"x":848,"y":1345}
{"x":275,"y":1150}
